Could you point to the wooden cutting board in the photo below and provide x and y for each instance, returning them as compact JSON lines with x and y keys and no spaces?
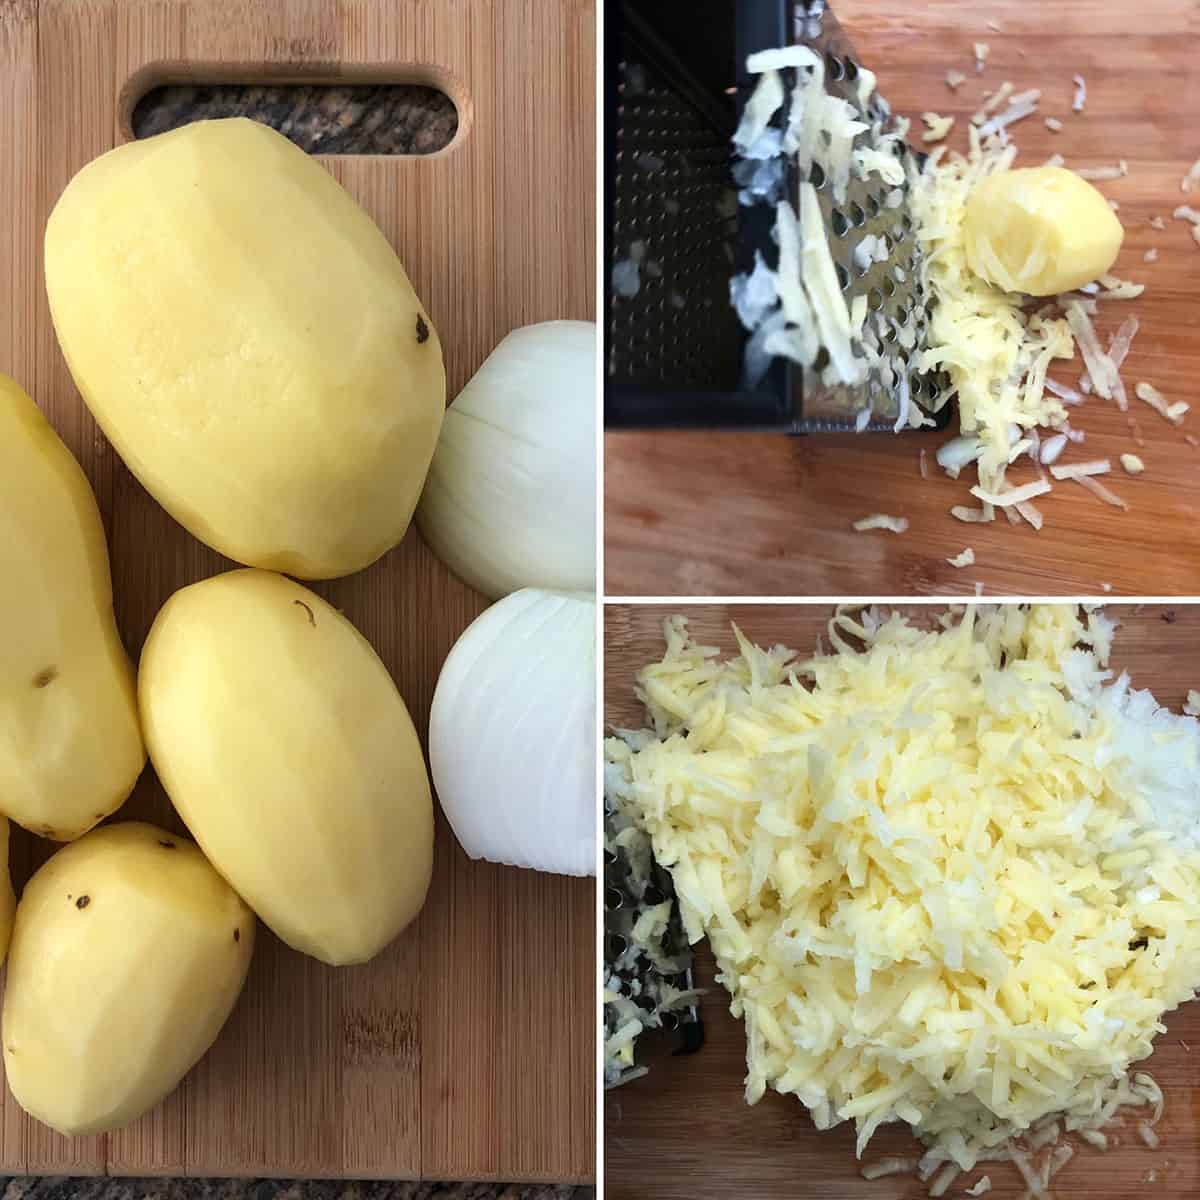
{"x":653,"y":1126}
{"x":466,"y":1050}
{"x":731,"y":514}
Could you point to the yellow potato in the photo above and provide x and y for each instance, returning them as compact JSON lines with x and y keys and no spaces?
{"x":250,"y":343}
{"x":286,"y":748}
{"x":1040,"y":230}
{"x":70,"y":746}
{"x":128,"y":953}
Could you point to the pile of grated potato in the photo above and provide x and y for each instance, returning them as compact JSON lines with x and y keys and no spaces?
{"x":951,"y":877}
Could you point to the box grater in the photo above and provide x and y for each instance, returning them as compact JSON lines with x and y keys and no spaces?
{"x":633,"y":882}
{"x":676,"y":234}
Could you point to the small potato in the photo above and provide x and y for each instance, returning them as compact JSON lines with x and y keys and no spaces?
{"x":70,"y":744}
{"x":250,"y":343}
{"x":287,"y":750}
{"x":1040,"y":230}
{"x":128,"y":953}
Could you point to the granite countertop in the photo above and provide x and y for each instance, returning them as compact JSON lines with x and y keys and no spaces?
{"x":65,"y":1188}
{"x":335,"y":119}
{"x":357,"y":119}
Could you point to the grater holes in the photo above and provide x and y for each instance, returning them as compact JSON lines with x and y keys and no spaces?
{"x":838,"y":222}
{"x":612,"y":899}
{"x":821,"y":361}
{"x":872,"y":207}
{"x":858,"y":218}
{"x":816,"y":175}
{"x":851,"y":69}
{"x":834,"y":67}
{"x":874,"y":300}
{"x":889,"y":286}
{"x":843,"y":276}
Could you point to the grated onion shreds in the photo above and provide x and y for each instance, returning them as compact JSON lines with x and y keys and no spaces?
{"x":992,"y":103}
{"x":1094,"y":1137}
{"x":1012,"y":114}
{"x":1098,"y":174}
{"x":1095,"y":466}
{"x":981,"y":1188}
{"x":1151,"y":255}
{"x":982,"y":50}
{"x":1043,"y":1136}
{"x":888,"y":1166}
{"x":796,"y":56}
{"x":1080,"y":97}
{"x":881,"y":521}
{"x":1119,"y":343}
{"x":1060,"y":1156}
{"x":1031,"y":513}
{"x":955,"y":80}
{"x":944,"y":1178}
{"x":1055,"y":160}
{"x":1052,"y":447}
{"x":1015,"y":495}
{"x":1185,"y":212}
{"x":1192,"y":177}
{"x":1147,"y":1135}
{"x":972,"y":516}
{"x":862,"y":419}
{"x":1067,"y":395}
{"x":964,"y":558}
{"x":1098,"y":489}
{"x":1099,"y":365}
{"x":1053,"y":124}
{"x":765,"y":101}
{"x":1023,"y":1163}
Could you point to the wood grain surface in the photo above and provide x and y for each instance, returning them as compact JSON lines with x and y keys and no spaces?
{"x":731,"y":514}
{"x":684,"y":1132}
{"x":466,"y":1050}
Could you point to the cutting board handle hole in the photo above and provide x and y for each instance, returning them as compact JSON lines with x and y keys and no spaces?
{"x":335,"y":118}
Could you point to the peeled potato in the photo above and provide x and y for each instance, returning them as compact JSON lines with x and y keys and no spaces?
{"x":70,"y":744}
{"x":250,"y":343}
{"x":128,"y":954}
{"x":287,"y":750}
{"x":1040,"y":230}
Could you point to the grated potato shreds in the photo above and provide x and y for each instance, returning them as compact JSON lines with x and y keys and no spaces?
{"x":964,"y":558}
{"x":950,"y":877}
{"x":995,"y":353}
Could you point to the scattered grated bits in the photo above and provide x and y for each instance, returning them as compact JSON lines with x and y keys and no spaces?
{"x":1132,"y":464}
{"x":1080,"y":97}
{"x":881,"y":521}
{"x":1098,"y":489}
{"x":955,"y":80}
{"x":936,"y":126}
{"x":1053,"y":124}
{"x":964,"y":558}
{"x":1189,"y":181}
{"x":1157,"y":223}
{"x":1150,"y":256}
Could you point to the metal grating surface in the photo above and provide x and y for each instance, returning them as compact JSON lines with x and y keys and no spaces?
{"x":897,"y":305}
{"x":674,"y":210}
{"x":677,"y":236}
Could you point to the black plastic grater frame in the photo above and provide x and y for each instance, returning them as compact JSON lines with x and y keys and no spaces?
{"x":674,"y":233}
